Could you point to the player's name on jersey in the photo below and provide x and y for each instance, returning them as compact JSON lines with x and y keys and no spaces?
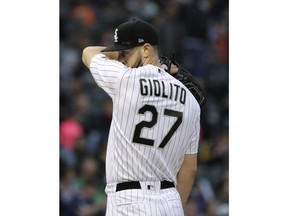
{"x":154,"y":87}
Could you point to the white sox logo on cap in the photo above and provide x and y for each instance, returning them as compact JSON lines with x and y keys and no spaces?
{"x":115,"y":36}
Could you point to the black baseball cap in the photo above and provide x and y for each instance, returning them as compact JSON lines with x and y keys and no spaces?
{"x":132,"y":34}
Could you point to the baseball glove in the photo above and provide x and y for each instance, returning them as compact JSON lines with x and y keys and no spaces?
{"x":185,"y":77}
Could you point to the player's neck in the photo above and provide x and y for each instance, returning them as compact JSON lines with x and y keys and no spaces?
{"x":153,"y":60}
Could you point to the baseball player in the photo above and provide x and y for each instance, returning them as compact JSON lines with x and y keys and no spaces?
{"x":152,"y":148}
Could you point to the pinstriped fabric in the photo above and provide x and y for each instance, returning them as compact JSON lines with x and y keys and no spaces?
{"x":128,"y":160}
{"x":155,"y":123}
{"x":142,"y":203}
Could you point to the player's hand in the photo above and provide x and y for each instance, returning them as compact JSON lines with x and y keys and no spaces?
{"x":174,"y":69}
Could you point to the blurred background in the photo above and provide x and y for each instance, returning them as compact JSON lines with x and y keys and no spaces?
{"x":197,"y":32}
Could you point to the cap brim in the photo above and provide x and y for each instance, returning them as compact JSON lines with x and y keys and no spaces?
{"x":117,"y":47}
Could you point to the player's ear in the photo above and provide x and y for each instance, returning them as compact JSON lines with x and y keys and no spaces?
{"x":146,"y":50}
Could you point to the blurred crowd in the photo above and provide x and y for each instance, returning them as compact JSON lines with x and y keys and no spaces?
{"x":197,"y":32}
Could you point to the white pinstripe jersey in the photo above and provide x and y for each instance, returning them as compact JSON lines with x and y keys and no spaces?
{"x":156,"y":120}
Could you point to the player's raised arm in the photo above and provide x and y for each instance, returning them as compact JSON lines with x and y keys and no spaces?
{"x":186,"y":176}
{"x":89,"y":52}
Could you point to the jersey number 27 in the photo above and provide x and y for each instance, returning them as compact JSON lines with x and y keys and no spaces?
{"x":150,"y":124}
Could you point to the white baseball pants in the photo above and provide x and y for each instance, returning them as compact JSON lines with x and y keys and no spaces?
{"x":150,"y":200}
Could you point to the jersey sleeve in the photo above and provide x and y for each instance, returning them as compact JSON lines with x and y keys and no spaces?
{"x":194,"y":141}
{"x":106,"y":73}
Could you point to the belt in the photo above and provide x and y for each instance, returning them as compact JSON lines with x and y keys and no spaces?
{"x":136,"y":185}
